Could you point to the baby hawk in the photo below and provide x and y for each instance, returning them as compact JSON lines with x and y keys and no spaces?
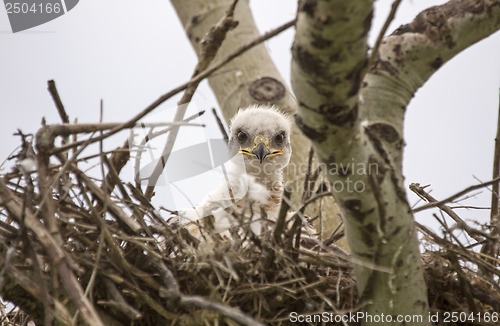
{"x":250,"y":198}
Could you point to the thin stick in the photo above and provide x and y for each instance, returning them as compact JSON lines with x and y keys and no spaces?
{"x":455,"y":196}
{"x":496,"y":172}
{"x":221,"y":125}
{"x":229,"y":312}
{"x":57,"y":100}
{"x":210,"y":45}
{"x":416,"y":188}
{"x":153,"y":134}
{"x":60,"y":107}
{"x":86,"y":128}
{"x":380,"y":37}
{"x":490,"y":247}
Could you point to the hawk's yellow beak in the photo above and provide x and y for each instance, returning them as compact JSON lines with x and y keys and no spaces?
{"x":261,"y":149}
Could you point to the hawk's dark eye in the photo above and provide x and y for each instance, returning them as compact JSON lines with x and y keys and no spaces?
{"x":241,"y":136}
{"x":279,"y":138}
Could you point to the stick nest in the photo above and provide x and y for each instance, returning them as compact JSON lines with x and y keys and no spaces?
{"x":76,"y":249}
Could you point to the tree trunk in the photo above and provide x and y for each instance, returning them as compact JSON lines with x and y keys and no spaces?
{"x":252,"y":78}
{"x":355,"y":120}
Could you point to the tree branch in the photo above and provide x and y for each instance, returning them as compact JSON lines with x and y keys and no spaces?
{"x":330,"y":53}
{"x":491,"y":247}
{"x":455,"y":196}
{"x":419,"y":190}
{"x":210,"y":44}
{"x":416,"y":50}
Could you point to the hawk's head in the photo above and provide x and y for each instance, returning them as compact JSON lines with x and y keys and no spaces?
{"x":262,"y":135}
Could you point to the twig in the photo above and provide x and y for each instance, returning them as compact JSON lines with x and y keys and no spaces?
{"x":307,"y":190}
{"x":118,"y":159}
{"x":280,"y":222}
{"x":38,"y":276}
{"x":86,"y":128}
{"x":119,"y":302}
{"x":380,"y":37}
{"x":416,"y":188}
{"x":59,"y":309}
{"x":300,"y":219}
{"x":113,"y":208}
{"x":230,"y":312}
{"x":490,"y":248}
{"x":90,"y":285}
{"x":153,"y":134}
{"x":167,"y":276}
{"x":455,"y":196}
{"x":496,"y":172}
{"x":210,"y":45}
{"x":59,"y":106}
{"x":336,"y":235}
{"x":57,"y":100}
{"x":44,"y":143}
{"x":201,"y":76}
{"x":464,"y":282}
{"x":469,"y":207}
{"x":221,"y":125}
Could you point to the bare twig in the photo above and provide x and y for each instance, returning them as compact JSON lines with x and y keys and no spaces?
{"x":496,"y":173}
{"x":381,"y":34}
{"x":46,"y":297}
{"x":280,"y":222}
{"x":119,"y":302}
{"x":307,"y":190}
{"x":44,"y":143}
{"x":86,"y":128}
{"x":416,"y":188}
{"x":455,"y":196}
{"x":210,"y":45}
{"x":57,"y":100}
{"x":153,"y":134}
{"x":59,"y":106}
{"x":491,"y":247}
{"x":221,"y":125}
{"x":33,"y":288}
{"x":229,"y":312}
{"x":337,"y":234}
{"x":106,"y":201}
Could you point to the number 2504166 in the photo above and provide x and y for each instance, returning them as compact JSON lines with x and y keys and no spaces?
{"x":34,"y":8}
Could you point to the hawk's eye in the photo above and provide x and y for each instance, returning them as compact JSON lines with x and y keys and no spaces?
{"x":241,"y":136}
{"x":279,"y":138}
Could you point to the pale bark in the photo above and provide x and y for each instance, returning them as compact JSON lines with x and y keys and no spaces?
{"x":353,"y":117}
{"x":252,"y":78}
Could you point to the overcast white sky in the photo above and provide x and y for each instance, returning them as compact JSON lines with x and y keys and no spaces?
{"x":128,"y":53}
